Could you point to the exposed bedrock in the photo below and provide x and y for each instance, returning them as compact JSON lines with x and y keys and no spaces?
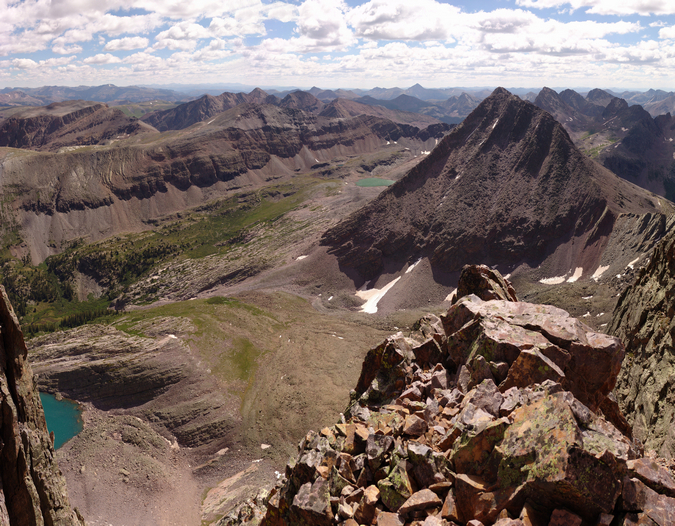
{"x":644,"y":320}
{"x":32,"y":488}
{"x":498,"y":413}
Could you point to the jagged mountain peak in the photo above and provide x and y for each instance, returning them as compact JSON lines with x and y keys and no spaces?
{"x":506,"y":186}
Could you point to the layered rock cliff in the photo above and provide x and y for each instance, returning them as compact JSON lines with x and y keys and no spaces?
{"x":32,"y":488}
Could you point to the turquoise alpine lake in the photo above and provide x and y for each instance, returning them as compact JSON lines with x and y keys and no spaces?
{"x":374,"y":181}
{"x":63,"y":417}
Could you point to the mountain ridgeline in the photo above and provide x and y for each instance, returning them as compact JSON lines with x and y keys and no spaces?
{"x":506,"y":186}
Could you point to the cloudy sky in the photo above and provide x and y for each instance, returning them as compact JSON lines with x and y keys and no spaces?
{"x":339,"y":43}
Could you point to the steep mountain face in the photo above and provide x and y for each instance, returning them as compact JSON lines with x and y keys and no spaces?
{"x":72,"y":123}
{"x":32,"y":488}
{"x":569,"y":110}
{"x":645,"y":154}
{"x":624,"y":138}
{"x":643,"y":320}
{"x":204,"y":108}
{"x":576,"y":101}
{"x":506,"y":186}
{"x":301,"y":100}
{"x":661,"y":107}
{"x":599,"y":97}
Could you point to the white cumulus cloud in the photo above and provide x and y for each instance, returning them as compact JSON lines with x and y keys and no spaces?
{"x":102,"y":58}
{"x":126,"y":44}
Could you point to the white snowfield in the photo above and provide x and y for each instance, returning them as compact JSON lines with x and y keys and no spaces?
{"x":373,"y":296}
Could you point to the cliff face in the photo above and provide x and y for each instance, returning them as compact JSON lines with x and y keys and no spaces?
{"x":32,"y":488}
{"x":643,"y":319}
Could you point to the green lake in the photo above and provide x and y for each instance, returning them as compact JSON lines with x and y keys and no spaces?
{"x":63,"y":417}
{"x":374,"y":181}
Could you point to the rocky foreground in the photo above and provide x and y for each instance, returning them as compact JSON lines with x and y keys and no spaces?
{"x":499,"y":413}
{"x":32,"y":488}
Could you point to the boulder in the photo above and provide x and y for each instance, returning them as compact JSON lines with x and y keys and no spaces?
{"x":583,"y":361}
{"x":484,"y":282}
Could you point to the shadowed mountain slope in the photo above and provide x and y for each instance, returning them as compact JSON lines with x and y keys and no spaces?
{"x":506,"y":186}
{"x":204,"y":108}
{"x":70,"y":123}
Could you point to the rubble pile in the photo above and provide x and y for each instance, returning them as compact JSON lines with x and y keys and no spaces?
{"x":497,"y":413}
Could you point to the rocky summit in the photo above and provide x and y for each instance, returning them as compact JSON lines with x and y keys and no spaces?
{"x":499,"y":412}
{"x":32,"y":488}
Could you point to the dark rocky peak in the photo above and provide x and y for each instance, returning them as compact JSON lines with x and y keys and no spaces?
{"x":576,"y":101}
{"x":615,"y":106}
{"x":550,"y":101}
{"x":257,"y":92}
{"x":506,"y":185}
{"x":32,"y":488}
{"x":599,"y":97}
{"x":301,"y":100}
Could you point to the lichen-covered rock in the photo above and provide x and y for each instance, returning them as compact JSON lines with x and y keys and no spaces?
{"x":32,"y":488}
{"x":427,"y":443}
{"x":643,"y":319}
{"x":484,"y":282}
{"x":567,"y":351}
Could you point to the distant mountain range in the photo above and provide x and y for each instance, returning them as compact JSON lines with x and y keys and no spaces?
{"x":626,"y":139}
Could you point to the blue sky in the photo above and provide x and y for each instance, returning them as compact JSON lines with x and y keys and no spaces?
{"x":339,"y":43}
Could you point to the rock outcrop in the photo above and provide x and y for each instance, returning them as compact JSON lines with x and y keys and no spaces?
{"x":493,"y":414}
{"x":643,"y":319}
{"x":32,"y":488}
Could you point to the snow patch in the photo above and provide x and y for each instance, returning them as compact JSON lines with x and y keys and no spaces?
{"x":495,"y":124}
{"x":553,"y":281}
{"x":373,"y":296}
{"x":173,"y":336}
{"x":425,"y":152}
{"x":587,"y":315}
{"x":630,"y":265}
{"x":577,"y":274}
{"x":586,"y":297}
{"x":599,"y":272}
{"x":411,"y":267}
{"x":299,"y":258}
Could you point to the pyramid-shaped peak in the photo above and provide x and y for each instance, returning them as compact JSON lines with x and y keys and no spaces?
{"x":500,"y":91}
